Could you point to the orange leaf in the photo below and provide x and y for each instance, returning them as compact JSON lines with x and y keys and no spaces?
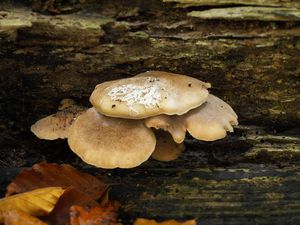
{"x":18,"y":217}
{"x":141,"y":221}
{"x":51,"y":174}
{"x":106,"y":215}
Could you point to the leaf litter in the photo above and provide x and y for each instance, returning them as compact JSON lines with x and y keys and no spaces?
{"x":54,"y":194}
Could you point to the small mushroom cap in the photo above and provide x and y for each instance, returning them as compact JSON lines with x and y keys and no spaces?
{"x":108,"y":142}
{"x":149,"y":94}
{"x":175,"y":125}
{"x":212,"y":120}
{"x":208,"y":122}
{"x":57,"y":125}
{"x":166,"y":149}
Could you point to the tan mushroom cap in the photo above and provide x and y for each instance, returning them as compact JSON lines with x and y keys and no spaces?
{"x":208,"y":122}
{"x":57,"y":125}
{"x":149,"y":94}
{"x":108,"y":142}
{"x":166,"y":149}
{"x":175,"y":125}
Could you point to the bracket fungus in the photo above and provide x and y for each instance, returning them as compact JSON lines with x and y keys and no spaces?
{"x":110,"y":142}
{"x":57,"y":125}
{"x":208,"y":122}
{"x":118,"y":131}
{"x":149,"y":94}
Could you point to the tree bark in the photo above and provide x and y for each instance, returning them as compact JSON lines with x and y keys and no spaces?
{"x":251,"y":177}
{"x":250,"y":56}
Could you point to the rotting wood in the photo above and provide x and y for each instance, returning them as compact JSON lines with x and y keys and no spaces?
{"x":241,"y":195}
{"x":212,"y":3}
{"x":230,"y":181}
{"x":280,"y":147}
{"x":244,"y":194}
{"x":249,"y":13}
{"x":45,"y":58}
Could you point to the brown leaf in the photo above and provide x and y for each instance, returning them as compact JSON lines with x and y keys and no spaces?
{"x":141,"y":221}
{"x":51,"y":174}
{"x":18,"y":217}
{"x":106,"y":215}
{"x":39,"y":202}
{"x":60,"y":215}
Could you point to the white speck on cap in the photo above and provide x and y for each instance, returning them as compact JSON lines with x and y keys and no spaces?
{"x":149,"y":94}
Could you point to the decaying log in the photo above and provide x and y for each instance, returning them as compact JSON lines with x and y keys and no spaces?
{"x":251,"y":177}
{"x":214,"y":3}
{"x":250,"y":13}
{"x":240,"y":195}
{"x":252,"y":63}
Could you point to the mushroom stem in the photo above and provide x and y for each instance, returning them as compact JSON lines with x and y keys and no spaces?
{"x":166,"y":149}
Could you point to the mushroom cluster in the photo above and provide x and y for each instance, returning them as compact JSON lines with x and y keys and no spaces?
{"x":134,"y":118}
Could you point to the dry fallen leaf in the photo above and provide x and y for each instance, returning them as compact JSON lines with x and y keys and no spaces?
{"x":18,"y":217}
{"x":39,"y":202}
{"x":141,"y":221}
{"x":54,"y":175}
{"x":106,"y":215}
{"x":60,"y":215}
{"x":80,"y":188}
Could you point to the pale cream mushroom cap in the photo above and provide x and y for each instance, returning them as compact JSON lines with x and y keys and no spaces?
{"x":108,"y":142}
{"x":149,"y":94}
{"x":208,"y":122}
{"x":57,"y":125}
{"x":166,"y":149}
